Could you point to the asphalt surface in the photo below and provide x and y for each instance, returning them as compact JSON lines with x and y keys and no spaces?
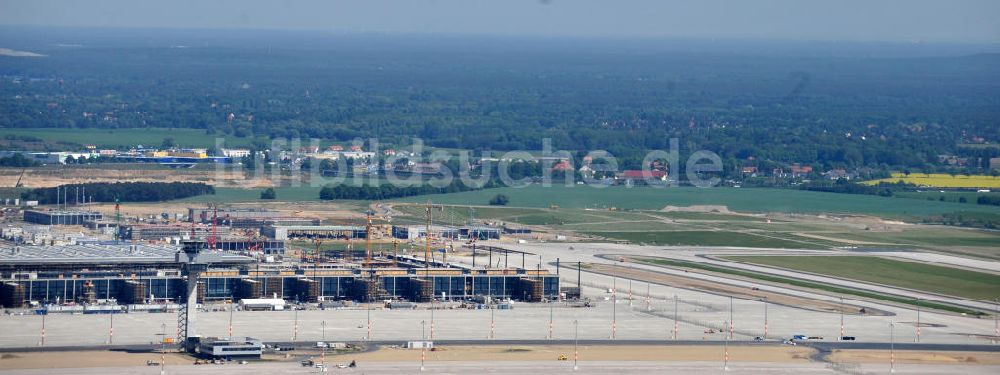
{"x":820,"y":345}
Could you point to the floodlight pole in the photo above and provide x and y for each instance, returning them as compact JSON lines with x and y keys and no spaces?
{"x":43,"y":329}
{"x":725,"y":364}
{"x":614,"y":306}
{"x":675,"y":316}
{"x":576,"y":344}
{"x":842,"y":319}
{"x":295,"y":328}
{"x":731,"y":327}
{"x":892,"y":347}
{"x":765,"y":317}
{"x":163,"y":349}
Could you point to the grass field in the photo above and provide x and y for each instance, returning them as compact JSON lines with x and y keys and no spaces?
{"x":943,"y":180}
{"x":803,"y":284}
{"x":930,"y":237}
{"x":121,"y":138}
{"x":948,"y":196}
{"x":577,"y":219}
{"x":920,"y":276}
{"x":744,"y":200}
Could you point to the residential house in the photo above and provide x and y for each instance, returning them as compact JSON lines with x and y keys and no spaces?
{"x":800,"y":170}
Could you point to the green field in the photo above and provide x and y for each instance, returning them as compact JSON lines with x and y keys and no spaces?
{"x":927,"y":237}
{"x":743,"y":200}
{"x":949,"y":196}
{"x":235,"y":195}
{"x":911,"y":275}
{"x":711,"y":238}
{"x":802,"y":284}
{"x":123,"y":138}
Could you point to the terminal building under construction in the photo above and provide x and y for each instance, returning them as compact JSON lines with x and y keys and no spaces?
{"x":148,"y":274}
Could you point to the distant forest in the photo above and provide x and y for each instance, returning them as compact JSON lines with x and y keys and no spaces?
{"x":829,"y":105}
{"x":121,"y":191}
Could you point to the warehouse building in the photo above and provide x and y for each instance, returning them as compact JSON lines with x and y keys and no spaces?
{"x":61,"y":217}
{"x":143,"y":274}
{"x":287,"y":232}
{"x":162,"y":231}
{"x":224,"y":214}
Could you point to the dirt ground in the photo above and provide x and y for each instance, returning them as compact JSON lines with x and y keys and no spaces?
{"x":10,"y":361}
{"x":723,"y":289}
{"x":882,"y":356}
{"x":444,"y":353}
{"x":771,"y":354}
{"x":328,"y":211}
{"x":50,"y":177}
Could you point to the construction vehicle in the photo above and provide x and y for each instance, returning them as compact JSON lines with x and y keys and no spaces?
{"x":562,"y":357}
{"x":19,"y":183}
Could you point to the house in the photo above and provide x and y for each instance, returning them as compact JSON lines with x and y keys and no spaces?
{"x":836,"y":174}
{"x":309,"y":149}
{"x":336,"y":148}
{"x":235,"y":152}
{"x":563,"y":166}
{"x":355,"y":148}
{"x":800,"y":170}
{"x":358,"y":154}
{"x":749,"y":171}
{"x":426,"y":168}
{"x":995,"y":164}
{"x":389,"y":152}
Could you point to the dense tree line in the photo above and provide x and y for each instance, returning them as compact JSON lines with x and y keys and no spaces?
{"x":751,"y":108}
{"x":389,"y":191}
{"x":17,"y":160}
{"x":988,"y":200}
{"x":122,"y":191}
{"x":844,"y":186}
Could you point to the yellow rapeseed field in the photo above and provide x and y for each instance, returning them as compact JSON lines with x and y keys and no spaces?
{"x":943,"y":180}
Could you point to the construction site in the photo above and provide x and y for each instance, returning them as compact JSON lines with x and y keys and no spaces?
{"x":252,"y":280}
{"x":228,"y":256}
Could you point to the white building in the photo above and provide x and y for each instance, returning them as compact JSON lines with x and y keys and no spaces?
{"x":262,"y":304}
{"x":235,"y":152}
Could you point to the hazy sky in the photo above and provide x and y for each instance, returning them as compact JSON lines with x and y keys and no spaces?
{"x":864,"y":20}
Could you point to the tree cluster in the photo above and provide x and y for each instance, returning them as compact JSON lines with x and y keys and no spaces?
{"x":122,"y":191}
{"x":388,"y":191}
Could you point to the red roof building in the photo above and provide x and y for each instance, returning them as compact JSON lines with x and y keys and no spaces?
{"x":563,"y":165}
{"x":799,"y":170}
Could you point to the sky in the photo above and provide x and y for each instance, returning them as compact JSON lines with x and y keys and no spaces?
{"x":961,"y":21}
